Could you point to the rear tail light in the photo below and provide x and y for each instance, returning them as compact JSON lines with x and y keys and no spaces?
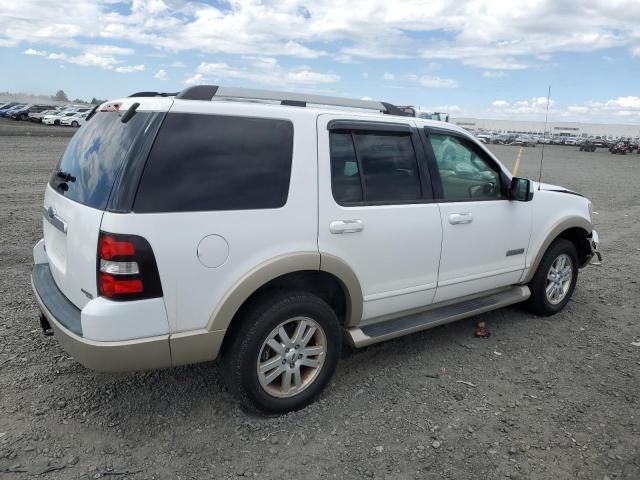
{"x":126,"y":268}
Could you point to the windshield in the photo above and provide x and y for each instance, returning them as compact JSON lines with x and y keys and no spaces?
{"x":88,"y":168}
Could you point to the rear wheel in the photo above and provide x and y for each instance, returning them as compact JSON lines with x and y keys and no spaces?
{"x":283,"y":353}
{"x":554,"y":281}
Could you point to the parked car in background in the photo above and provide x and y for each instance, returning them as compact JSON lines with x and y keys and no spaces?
{"x":588,"y":146}
{"x":23,"y":113}
{"x":7,"y":105}
{"x":570,"y":141}
{"x":38,"y":116}
{"x":484,"y":137}
{"x":7,"y":111}
{"x":524,"y":141}
{"x":76,"y":120}
{"x":54,"y":118}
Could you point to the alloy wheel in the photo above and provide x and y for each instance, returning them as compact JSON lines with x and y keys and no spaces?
{"x":559,"y":279}
{"x":291,"y":357}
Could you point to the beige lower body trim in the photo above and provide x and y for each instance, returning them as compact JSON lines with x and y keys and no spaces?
{"x":555,"y":231}
{"x":122,"y":356}
{"x":195,"y":346}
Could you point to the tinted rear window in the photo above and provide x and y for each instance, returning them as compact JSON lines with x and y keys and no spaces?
{"x":213,"y":162}
{"x":95,"y":155}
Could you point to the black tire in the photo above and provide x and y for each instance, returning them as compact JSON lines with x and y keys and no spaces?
{"x":538,"y":303}
{"x":74,"y":124}
{"x":240,"y":355}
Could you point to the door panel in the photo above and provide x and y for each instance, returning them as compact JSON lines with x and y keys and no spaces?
{"x":392,"y":246}
{"x":485,"y":236}
{"x":486,"y":253}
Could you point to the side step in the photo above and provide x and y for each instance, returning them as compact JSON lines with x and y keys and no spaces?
{"x":438,"y":315}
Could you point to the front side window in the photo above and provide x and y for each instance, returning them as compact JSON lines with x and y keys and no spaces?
{"x":464,"y":174}
{"x":374,"y":167}
{"x":215,"y":162}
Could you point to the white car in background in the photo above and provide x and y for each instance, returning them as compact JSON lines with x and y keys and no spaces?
{"x":56,"y":118}
{"x":76,"y":120}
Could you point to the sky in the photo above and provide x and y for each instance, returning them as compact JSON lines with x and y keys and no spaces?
{"x":476,"y":58}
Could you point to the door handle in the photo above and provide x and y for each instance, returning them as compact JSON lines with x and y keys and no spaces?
{"x":460,"y":218}
{"x":346,"y":226}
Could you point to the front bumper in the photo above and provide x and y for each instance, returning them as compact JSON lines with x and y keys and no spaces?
{"x":113,"y":356}
{"x":594,"y":243}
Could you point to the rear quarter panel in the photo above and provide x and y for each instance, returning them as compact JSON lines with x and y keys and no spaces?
{"x":192,"y":291}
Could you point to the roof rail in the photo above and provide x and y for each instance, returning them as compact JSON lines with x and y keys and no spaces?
{"x":153,"y":94}
{"x":208,"y":92}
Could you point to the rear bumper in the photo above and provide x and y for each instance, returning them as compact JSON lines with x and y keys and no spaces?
{"x":112,"y":356}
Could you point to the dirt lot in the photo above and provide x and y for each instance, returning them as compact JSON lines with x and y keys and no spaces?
{"x":548,"y":398}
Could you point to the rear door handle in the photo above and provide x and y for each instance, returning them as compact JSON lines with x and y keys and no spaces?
{"x":460,"y":218}
{"x":346,"y":226}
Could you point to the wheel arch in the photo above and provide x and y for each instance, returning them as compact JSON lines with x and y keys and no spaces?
{"x":575,"y":229}
{"x":326,"y":276}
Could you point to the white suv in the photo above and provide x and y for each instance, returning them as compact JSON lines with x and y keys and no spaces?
{"x":266,"y":228}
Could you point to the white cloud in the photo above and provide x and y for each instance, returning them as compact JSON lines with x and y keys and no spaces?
{"x":479,"y":33}
{"x":493,"y":74}
{"x":130,"y":69}
{"x":195,"y":79}
{"x":93,"y":60}
{"x":178,"y":64}
{"x":388,"y":76}
{"x":437,"y":82}
{"x":57,"y":56}
{"x":37,"y":53}
{"x":635,"y":51}
{"x":161,"y":74}
{"x":535,"y":106}
{"x":261,"y":70}
{"x":108,"y":50}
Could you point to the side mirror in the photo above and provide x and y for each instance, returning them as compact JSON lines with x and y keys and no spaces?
{"x":520,"y":190}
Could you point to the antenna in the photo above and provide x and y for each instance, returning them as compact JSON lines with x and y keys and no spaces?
{"x":544,"y":135}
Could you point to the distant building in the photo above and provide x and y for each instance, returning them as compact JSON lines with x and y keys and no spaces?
{"x":565,"y":129}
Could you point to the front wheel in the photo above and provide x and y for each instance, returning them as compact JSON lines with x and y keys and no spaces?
{"x":74,"y":124}
{"x":554,"y":281}
{"x":283,"y":353}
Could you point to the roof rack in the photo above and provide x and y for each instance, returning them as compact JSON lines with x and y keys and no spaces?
{"x":153,"y":94}
{"x":208,"y":92}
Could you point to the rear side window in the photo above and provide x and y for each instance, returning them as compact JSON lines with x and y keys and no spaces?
{"x":374,"y":167}
{"x":94,"y":157}
{"x":213,"y":162}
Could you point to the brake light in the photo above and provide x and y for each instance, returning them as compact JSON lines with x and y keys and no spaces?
{"x":111,"y":286}
{"x":110,"y":247}
{"x":126,"y":268}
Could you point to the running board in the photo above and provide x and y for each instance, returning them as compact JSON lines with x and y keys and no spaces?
{"x":438,"y":315}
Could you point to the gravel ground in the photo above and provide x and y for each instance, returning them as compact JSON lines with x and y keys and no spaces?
{"x":10,"y":127}
{"x":548,"y":398}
